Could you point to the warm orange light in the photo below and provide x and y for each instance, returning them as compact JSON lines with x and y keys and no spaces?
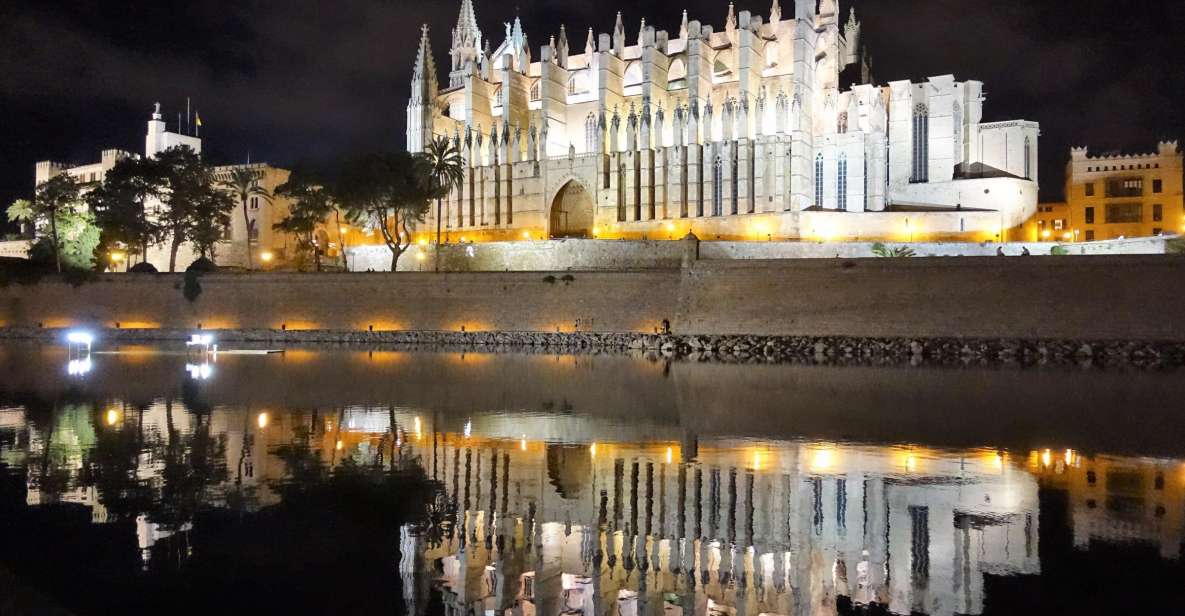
{"x":1046,"y":458}
{"x":526,"y":235}
{"x":592,"y":450}
{"x":423,"y":241}
{"x":262,"y":420}
{"x":596,"y":232}
{"x":670,"y":455}
{"x":1047,"y":234}
{"x":118,"y":257}
{"x":822,"y":459}
{"x":339,"y":446}
{"x":343,"y":230}
{"x":266,"y":256}
{"x":522,"y":444}
{"x":112,"y":417}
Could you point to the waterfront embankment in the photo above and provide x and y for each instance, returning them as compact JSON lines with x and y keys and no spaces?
{"x":983,"y":308}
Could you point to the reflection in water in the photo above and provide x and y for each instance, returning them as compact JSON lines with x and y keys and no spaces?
{"x":560,"y":510}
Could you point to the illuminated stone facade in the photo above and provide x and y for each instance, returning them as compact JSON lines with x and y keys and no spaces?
{"x":262,"y":212}
{"x":1109,"y":196}
{"x":766,"y":128}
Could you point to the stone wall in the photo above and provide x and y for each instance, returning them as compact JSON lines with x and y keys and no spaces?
{"x":15,"y":249}
{"x":616,"y":255}
{"x":1097,"y":298}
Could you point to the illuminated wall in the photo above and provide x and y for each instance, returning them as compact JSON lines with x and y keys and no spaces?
{"x":967,"y":297}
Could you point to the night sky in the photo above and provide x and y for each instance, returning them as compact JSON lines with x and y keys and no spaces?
{"x":307,"y":80}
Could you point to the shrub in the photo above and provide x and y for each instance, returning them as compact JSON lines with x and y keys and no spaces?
{"x":895,"y":252}
{"x":143,"y":267}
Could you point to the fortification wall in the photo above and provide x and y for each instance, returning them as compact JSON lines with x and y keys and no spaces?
{"x":574,"y":254}
{"x":1101,"y":298}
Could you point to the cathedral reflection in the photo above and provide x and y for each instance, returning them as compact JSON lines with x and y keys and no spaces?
{"x":558,"y":514}
{"x":743,"y":528}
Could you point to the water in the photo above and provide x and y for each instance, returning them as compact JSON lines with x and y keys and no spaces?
{"x":346,"y":481}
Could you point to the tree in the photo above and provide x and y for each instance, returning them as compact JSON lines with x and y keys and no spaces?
{"x":391,"y":191}
{"x":210,"y":218}
{"x":194,"y":208}
{"x":55,"y":201}
{"x":121,"y":205}
{"x":311,"y":205}
{"x":448,"y":172}
{"x":243,"y":183}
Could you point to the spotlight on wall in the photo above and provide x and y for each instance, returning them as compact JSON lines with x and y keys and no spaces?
{"x":266,"y":256}
{"x":81,"y":338}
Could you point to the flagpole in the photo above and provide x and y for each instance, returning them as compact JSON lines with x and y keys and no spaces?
{"x":187,"y":116}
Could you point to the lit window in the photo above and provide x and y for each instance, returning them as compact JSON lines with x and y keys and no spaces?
{"x":819,"y":180}
{"x":841,"y":183}
{"x":921,"y":145}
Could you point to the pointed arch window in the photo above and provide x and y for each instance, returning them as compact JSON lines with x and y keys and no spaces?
{"x":717,"y":186}
{"x":572,"y":85}
{"x":1028,"y":159}
{"x":841,"y":183}
{"x":536,"y":91}
{"x":921,"y":145}
{"x":819,"y":180}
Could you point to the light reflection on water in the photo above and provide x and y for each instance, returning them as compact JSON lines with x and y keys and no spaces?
{"x":593,"y":485}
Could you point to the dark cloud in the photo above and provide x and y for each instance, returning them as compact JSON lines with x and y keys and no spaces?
{"x":290,"y":80}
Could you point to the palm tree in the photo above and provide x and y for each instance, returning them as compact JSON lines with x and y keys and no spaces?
{"x":55,"y":199}
{"x":243,"y":183}
{"x":448,"y":172}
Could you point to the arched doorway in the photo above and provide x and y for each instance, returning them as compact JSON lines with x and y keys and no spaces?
{"x":572,"y":212}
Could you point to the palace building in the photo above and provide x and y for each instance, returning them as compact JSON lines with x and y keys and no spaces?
{"x":771,"y":127}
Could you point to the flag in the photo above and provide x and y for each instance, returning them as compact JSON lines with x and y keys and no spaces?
{"x":198,"y":119}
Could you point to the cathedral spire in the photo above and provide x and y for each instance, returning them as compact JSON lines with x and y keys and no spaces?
{"x":562,"y":49}
{"x":423,"y":96}
{"x":619,"y":36}
{"x":590,"y":45}
{"x":775,"y":13}
{"x":642,"y":33}
{"x":424,"y":71}
{"x":683,"y":26}
{"x":466,"y":45}
{"x":730,"y":23}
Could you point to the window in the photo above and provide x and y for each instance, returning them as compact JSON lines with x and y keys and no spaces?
{"x":1090,"y":215}
{"x":572,"y":85}
{"x":1090,"y":235}
{"x":921,"y":145}
{"x":535,"y":91}
{"x":1157,"y":213}
{"x":678,"y":70}
{"x":633,"y":75}
{"x":255,"y":203}
{"x":1059,"y":224}
{"x":841,"y":183}
{"x":1129,"y":187}
{"x":842,"y":124}
{"x":819,"y":180}
{"x":1028,"y":159}
{"x":1124,"y":212}
{"x":225,"y":232}
{"x":1090,"y":189}
{"x":717,"y":186}
{"x":919,"y":553}
{"x":1157,"y":186}
{"x":252,"y":230}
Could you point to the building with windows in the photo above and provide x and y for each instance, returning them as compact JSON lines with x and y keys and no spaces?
{"x":270,"y":247}
{"x":1109,"y":196}
{"x":768,"y":128}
